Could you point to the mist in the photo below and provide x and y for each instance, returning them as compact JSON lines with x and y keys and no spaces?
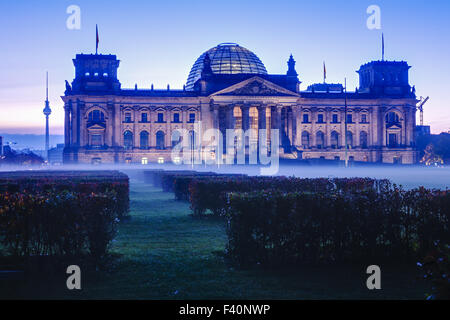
{"x":407,"y":176}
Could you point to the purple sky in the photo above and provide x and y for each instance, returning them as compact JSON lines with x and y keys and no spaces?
{"x":158,"y":41}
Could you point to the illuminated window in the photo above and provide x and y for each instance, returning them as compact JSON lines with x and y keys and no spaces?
{"x":160,"y":160}
{"x":144,"y":160}
{"x":237,"y":114}
{"x":253,"y":112}
{"x":176,"y":160}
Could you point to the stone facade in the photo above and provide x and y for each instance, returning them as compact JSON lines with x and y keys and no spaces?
{"x":105,"y":123}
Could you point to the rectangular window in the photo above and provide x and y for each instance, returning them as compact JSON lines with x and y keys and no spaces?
{"x":393,"y":142}
{"x":349,"y":118}
{"x":96,"y":140}
{"x":144,"y":117}
{"x":305,"y":118}
{"x":128,"y":117}
{"x":191,"y":117}
{"x":320,"y":118}
{"x":176,"y":117}
{"x":160,"y":117}
{"x":335,"y":118}
{"x":364,"y":118}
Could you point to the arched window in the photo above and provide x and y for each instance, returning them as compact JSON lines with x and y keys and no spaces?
{"x":305,"y":139}
{"x":160,"y":140}
{"x":392,"y":118}
{"x":176,"y":137}
{"x":334,"y":140}
{"x":144,"y":139}
{"x":96,"y":116}
{"x":363,"y":139}
{"x":253,"y":112}
{"x":237,"y":114}
{"x":128,"y":139}
{"x":320,"y":139}
{"x":349,"y":139}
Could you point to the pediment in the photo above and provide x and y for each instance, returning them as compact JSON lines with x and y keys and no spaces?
{"x":96,"y":127}
{"x":394,"y":127}
{"x":255,"y":86}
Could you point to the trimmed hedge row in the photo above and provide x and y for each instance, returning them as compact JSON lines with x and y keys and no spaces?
{"x":77,"y":181}
{"x":275,"y":228}
{"x":210,"y":194}
{"x":58,"y":224}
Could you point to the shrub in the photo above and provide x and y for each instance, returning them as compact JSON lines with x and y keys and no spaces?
{"x":291,"y":228}
{"x":52,"y":223}
{"x":76,"y":181}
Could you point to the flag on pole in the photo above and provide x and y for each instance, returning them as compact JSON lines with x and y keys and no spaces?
{"x":324,"y":72}
{"x":382,"y":44}
{"x":97,"y":39}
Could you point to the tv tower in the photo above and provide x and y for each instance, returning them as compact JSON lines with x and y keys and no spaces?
{"x":47,"y":111}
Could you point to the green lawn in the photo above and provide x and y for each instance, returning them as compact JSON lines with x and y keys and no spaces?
{"x":163,"y":253}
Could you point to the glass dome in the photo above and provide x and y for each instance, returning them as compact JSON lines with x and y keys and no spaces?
{"x":227,"y":58}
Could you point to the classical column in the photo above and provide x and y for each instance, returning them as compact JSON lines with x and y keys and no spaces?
{"x":262,"y":117}
{"x":229,"y":117}
{"x":298,"y":126}
{"x":290,"y":126}
{"x":216,"y":116}
{"x":67,"y":125}
{"x":278,"y":125}
{"x":245,"y":117}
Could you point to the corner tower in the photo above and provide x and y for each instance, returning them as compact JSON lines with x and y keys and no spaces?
{"x":95,"y":72}
{"x":385,"y":78}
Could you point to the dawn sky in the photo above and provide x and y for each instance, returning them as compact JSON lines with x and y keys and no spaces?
{"x":158,"y":41}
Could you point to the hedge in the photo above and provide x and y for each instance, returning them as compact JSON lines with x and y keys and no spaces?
{"x":77,"y":181}
{"x":210,"y":194}
{"x":290,"y":228}
{"x":58,"y":224}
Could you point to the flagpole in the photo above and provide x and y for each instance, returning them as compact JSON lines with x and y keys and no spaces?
{"x":382,"y":47}
{"x":345,"y":129}
{"x":96,"y":39}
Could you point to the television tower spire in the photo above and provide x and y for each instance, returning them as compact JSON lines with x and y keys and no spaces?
{"x":47,"y":111}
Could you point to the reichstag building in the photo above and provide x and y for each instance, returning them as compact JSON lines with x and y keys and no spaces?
{"x":229,"y":88}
